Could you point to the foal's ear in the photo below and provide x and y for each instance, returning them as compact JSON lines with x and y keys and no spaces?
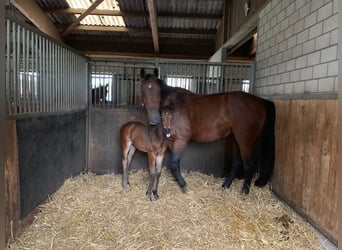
{"x":142,"y":73}
{"x":155,"y":72}
{"x":169,"y":107}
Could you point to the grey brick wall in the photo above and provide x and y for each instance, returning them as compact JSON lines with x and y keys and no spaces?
{"x":297,"y":49}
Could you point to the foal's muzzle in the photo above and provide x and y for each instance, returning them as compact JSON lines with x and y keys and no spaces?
{"x":167,"y":132}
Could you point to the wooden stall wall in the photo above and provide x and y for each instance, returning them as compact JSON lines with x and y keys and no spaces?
{"x":41,"y":153}
{"x":306,"y":151}
{"x":12,"y":193}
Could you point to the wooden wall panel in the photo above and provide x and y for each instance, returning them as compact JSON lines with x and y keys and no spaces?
{"x":306,"y":166}
{"x":12,"y":192}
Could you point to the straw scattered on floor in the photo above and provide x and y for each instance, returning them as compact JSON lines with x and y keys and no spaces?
{"x":95,"y":212}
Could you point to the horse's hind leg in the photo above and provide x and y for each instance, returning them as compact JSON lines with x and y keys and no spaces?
{"x":247,"y":151}
{"x":237,"y":165}
{"x":251,"y":168}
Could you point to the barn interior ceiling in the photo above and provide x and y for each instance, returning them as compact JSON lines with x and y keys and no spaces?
{"x":139,"y":28}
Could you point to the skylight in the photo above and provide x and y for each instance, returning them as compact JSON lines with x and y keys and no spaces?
{"x":98,"y":20}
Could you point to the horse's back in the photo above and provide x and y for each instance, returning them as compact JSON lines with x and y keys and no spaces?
{"x":222,"y":111}
{"x":135,"y":132}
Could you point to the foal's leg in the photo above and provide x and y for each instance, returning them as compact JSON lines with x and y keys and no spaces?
{"x":152,"y":170}
{"x":124,"y":159}
{"x":127,"y":154}
{"x":159,"y":162}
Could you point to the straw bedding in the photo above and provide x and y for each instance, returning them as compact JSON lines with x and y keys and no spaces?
{"x":95,"y":212}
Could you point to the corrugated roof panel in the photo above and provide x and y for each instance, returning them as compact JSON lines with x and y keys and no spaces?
{"x":132,"y":5}
{"x":191,"y":6}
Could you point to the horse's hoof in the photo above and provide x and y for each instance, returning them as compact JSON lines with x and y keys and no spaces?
{"x":260,"y":182}
{"x":184,"y":189}
{"x":125,"y":184}
{"x":226,"y":184}
{"x":245,"y":190}
{"x":181,"y":182}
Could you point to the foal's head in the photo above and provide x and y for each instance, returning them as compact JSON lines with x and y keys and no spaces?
{"x":166,"y":114}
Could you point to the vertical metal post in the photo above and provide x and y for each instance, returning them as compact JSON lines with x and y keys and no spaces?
{"x":252,"y":77}
{"x":2,"y":124}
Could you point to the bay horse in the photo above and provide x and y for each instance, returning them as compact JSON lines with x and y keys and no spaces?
{"x":204,"y":118}
{"x":149,"y":139}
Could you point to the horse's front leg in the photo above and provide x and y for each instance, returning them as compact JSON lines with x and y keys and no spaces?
{"x":176,"y":149}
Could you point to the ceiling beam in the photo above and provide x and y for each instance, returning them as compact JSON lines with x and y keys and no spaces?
{"x":128,"y":40}
{"x":134,"y":13}
{"x":102,"y":12}
{"x":35,"y":14}
{"x":152,"y":10}
{"x":81,"y":17}
{"x":190,"y":32}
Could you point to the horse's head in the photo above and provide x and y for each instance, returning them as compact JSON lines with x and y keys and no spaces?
{"x":166,"y":114}
{"x":150,"y":93}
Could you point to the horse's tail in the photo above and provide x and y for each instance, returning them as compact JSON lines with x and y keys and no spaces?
{"x":267,"y":151}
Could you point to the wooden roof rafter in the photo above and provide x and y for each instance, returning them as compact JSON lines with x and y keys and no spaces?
{"x":81,"y":17}
{"x":104,"y":12}
{"x":152,"y":9}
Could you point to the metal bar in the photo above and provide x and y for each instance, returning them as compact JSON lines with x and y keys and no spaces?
{"x":8,"y":69}
{"x":40,"y":75}
{"x":16,"y":61}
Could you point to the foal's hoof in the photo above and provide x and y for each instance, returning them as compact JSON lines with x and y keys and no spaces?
{"x":155,"y":194}
{"x":260,"y":182}
{"x":149,"y":195}
{"x":245,"y":190}
{"x":125,"y":184}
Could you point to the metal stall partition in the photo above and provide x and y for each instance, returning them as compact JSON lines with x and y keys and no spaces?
{"x":42,"y":75}
{"x":117,"y":85}
{"x":208,"y":78}
{"x":46,"y":85}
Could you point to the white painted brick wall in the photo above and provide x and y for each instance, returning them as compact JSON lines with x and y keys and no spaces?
{"x":297,"y":48}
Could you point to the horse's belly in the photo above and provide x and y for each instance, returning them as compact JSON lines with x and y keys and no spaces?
{"x":209,"y":135}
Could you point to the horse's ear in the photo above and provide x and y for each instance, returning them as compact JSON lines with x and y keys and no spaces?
{"x":155,"y":72}
{"x":142,"y":73}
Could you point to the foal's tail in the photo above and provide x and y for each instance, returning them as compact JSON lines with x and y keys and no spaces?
{"x":267,"y":150}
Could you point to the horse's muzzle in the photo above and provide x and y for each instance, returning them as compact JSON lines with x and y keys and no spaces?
{"x":154,"y":118}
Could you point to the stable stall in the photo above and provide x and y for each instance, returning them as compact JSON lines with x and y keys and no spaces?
{"x":65,"y":107}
